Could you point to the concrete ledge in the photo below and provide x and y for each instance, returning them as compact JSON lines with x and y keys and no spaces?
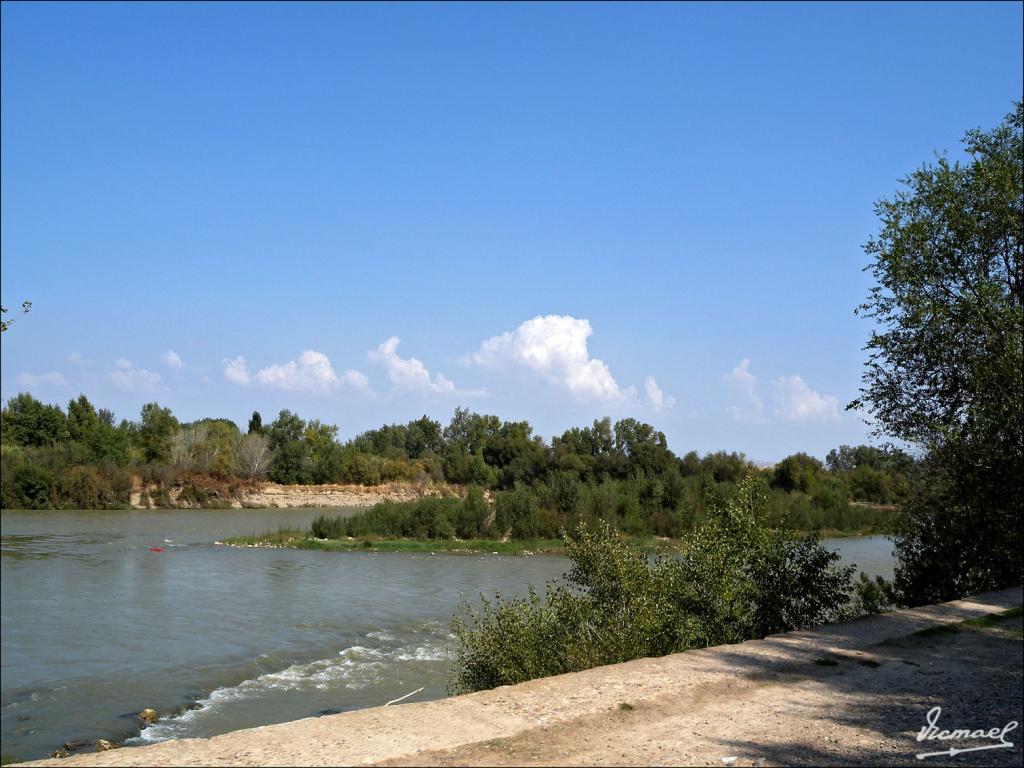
{"x":685,"y":687}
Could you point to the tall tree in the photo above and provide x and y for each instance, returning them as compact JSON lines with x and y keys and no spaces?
{"x":155,"y":432}
{"x":256,"y":423}
{"x":945,"y":362}
{"x":253,"y":455}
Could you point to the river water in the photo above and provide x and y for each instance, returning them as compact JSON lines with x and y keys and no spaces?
{"x":96,"y":627}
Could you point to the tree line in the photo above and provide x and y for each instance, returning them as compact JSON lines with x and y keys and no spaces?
{"x":80,"y":457}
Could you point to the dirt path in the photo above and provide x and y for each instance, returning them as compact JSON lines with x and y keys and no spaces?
{"x":848,"y":694}
{"x":864,"y":710}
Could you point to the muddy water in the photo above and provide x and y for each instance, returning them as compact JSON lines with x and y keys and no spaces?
{"x":96,"y":627}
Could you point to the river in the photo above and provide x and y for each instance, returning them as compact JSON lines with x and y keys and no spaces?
{"x":95,"y":626}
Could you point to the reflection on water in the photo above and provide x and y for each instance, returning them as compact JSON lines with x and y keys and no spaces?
{"x":97,"y":627}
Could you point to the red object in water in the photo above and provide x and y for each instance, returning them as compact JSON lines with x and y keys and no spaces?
{"x":156,"y":549}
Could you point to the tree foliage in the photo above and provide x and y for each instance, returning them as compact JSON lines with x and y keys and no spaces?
{"x":622,"y":473}
{"x":5,"y":324}
{"x":944,"y":370}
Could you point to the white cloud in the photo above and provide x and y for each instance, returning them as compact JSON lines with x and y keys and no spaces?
{"x":555,"y":348}
{"x":795,"y":401}
{"x":236,"y":370}
{"x":130,"y":378}
{"x":408,"y":373}
{"x":745,"y":383}
{"x":356,"y":380}
{"x":75,"y":358}
{"x":656,"y":397}
{"x":312,"y":372}
{"x":172,"y":359}
{"x":49,"y":379}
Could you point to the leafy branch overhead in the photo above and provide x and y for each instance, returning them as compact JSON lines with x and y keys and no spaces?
{"x":5,"y":324}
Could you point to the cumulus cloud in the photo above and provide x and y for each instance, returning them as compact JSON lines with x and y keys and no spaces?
{"x":795,"y":401}
{"x":656,"y":397}
{"x":553,"y":347}
{"x":172,"y":359}
{"x":356,"y":380}
{"x":745,"y":384}
{"x":310,"y":372}
{"x":127,"y":377}
{"x":75,"y":358}
{"x":49,"y":379}
{"x":236,"y":370}
{"x":407,"y":373}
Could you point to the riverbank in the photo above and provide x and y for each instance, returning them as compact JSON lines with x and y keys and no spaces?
{"x":292,"y":539}
{"x":845,"y":694}
{"x":295,"y":539}
{"x":208,"y":492}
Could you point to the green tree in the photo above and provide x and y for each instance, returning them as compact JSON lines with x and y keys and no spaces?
{"x":95,"y":430}
{"x":945,"y":362}
{"x":28,"y":422}
{"x":255,"y":423}
{"x":155,"y":433}
{"x":630,"y":434}
{"x":83,"y":421}
{"x":291,"y":460}
{"x":286,"y":428}
{"x":798,"y":472}
{"x":422,"y":437}
{"x":325,"y":455}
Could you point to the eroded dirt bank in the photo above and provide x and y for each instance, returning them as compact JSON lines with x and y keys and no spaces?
{"x":261,"y":495}
{"x":847,"y":694}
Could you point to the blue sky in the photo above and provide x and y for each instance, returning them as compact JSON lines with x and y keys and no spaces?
{"x":561,"y":211}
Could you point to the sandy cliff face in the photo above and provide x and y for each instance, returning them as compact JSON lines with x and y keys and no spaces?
{"x":273,"y":495}
{"x":264,"y":495}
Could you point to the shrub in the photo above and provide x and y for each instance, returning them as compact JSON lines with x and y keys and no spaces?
{"x":324,"y":527}
{"x":737,"y":580}
{"x":516,"y":513}
{"x":33,"y":487}
{"x":871,"y":596}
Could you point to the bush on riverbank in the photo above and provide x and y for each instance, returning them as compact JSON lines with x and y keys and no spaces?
{"x":637,"y":507}
{"x":45,"y":478}
{"x":431,"y":517}
{"x":737,"y":578}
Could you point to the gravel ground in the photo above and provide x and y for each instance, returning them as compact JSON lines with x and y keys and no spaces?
{"x":847,"y":694}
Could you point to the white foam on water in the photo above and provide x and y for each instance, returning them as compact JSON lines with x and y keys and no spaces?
{"x":355,"y":668}
{"x":423,"y":653}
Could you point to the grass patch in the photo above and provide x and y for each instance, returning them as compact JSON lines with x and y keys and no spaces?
{"x":294,"y":539}
{"x":995,"y":619}
{"x":991,"y":621}
{"x":484,"y":546}
{"x":282,"y":537}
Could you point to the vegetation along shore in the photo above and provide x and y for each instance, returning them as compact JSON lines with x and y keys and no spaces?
{"x":477,"y":477}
